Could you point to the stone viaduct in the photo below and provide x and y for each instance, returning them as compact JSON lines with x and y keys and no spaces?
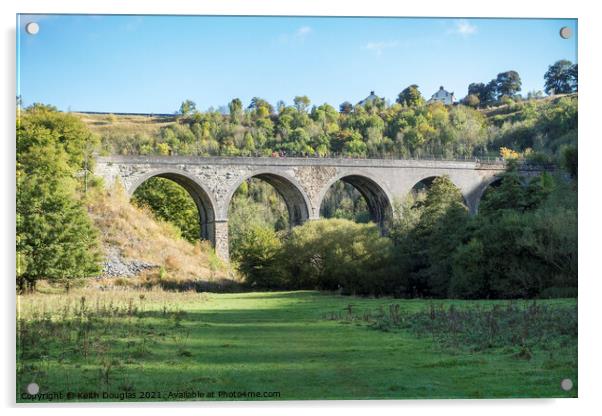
{"x":302,"y":182}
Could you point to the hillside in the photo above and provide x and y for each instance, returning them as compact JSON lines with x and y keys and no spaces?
{"x":124,"y":125}
{"x":382,"y":131}
{"x":136,"y":244}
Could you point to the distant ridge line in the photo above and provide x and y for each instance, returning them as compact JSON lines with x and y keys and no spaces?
{"x":124,"y":114}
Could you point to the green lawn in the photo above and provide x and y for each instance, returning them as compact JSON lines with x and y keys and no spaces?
{"x":261,"y":342}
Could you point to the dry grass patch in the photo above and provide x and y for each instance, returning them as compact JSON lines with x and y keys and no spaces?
{"x":138,"y":235}
{"x":122,"y":125}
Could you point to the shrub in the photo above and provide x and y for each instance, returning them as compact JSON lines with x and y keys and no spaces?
{"x":257,"y":251}
{"x":469,"y":280}
{"x":336,"y":254}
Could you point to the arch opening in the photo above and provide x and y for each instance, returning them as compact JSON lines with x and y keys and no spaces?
{"x":487,"y":190}
{"x":420,"y":189}
{"x":496,"y":183}
{"x":267,"y":201}
{"x":297,"y":207}
{"x":358,"y":198}
{"x":342,"y":200}
{"x":166,"y":195}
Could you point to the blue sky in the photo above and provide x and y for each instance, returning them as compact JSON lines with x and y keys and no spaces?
{"x":152,"y":63}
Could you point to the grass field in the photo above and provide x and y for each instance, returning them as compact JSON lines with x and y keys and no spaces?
{"x":145,"y":345}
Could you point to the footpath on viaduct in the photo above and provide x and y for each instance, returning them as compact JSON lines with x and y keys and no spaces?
{"x":302,"y":182}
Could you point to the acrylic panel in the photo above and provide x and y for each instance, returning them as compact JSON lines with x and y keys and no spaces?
{"x":217,"y":208}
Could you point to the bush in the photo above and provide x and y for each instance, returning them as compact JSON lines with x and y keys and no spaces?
{"x":257,"y":251}
{"x":336,"y":254}
{"x":468,"y":279}
{"x":472,"y":100}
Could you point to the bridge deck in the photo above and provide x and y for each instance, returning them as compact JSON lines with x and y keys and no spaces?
{"x":306,"y":161}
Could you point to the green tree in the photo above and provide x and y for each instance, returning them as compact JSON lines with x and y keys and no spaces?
{"x":478,"y":89}
{"x":561,"y":78}
{"x":509,"y":195}
{"x":56,"y":240}
{"x":508,"y":83}
{"x":336,"y":253}
{"x":424,"y":245}
{"x":490,"y":93}
{"x":42,"y":126}
{"x":55,"y":237}
{"x":261,"y":108}
{"x":472,"y":100}
{"x":301,"y":103}
{"x":346,"y":107}
{"x":187,"y":108}
{"x":257,"y":253}
{"x":410,"y":97}
{"x":569,"y":160}
{"x":469,"y":272}
{"x":235,"y":108}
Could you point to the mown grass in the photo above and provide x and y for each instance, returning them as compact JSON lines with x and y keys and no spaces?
{"x":128,"y":342}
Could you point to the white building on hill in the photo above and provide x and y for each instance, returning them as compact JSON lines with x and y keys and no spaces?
{"x":443,"y":96}
{"x":369,"y":99}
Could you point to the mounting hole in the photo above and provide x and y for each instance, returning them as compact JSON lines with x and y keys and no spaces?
{"x":566,"y":384}
{"x":32,"y":28}
{"x":33,"y":388}
{"x":565,"y":32}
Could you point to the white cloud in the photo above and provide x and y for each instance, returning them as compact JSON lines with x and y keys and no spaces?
{"x":296,"y":37}
{"x":464,"y":28}
{"x":379,"y":47}
{"x":303,"y":31}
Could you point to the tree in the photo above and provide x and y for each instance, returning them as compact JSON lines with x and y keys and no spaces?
{"x":301,"y":103}
{"x":561,"y":78}
{"x":261,"y":107}
{"x":346,"y":107}
{"x":575,"y":77}
{"x":55,"y":237}
{"x":235,"y":108}
{"x":423,"y":248}
{"x":410,"y":97}
{"x":569,"y":160}
{"x":472,"y":100}
{"x":469,"y":272}
{"x":280,"y":106}
{"x":42,"y":126}
{"x":490,"y":93}
{"x":486,"y":93}
{"x":478,"y":89}
{"x":508,"y":84}
{"x":509,"y":195}
{"x":298,"y":142}
{"x":257,"y":253}
{"x":336,"y":253}
{"x":187,"y":108}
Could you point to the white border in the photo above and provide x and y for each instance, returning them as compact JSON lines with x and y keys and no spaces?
{"x":590,"y":140}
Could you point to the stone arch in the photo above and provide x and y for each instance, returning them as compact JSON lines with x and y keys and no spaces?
{"x":493,"y":181}
{"x":203,"y":200}
{"x":378,"y":198}
{"x":295,"y":198}
{"x":427,"y":181}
